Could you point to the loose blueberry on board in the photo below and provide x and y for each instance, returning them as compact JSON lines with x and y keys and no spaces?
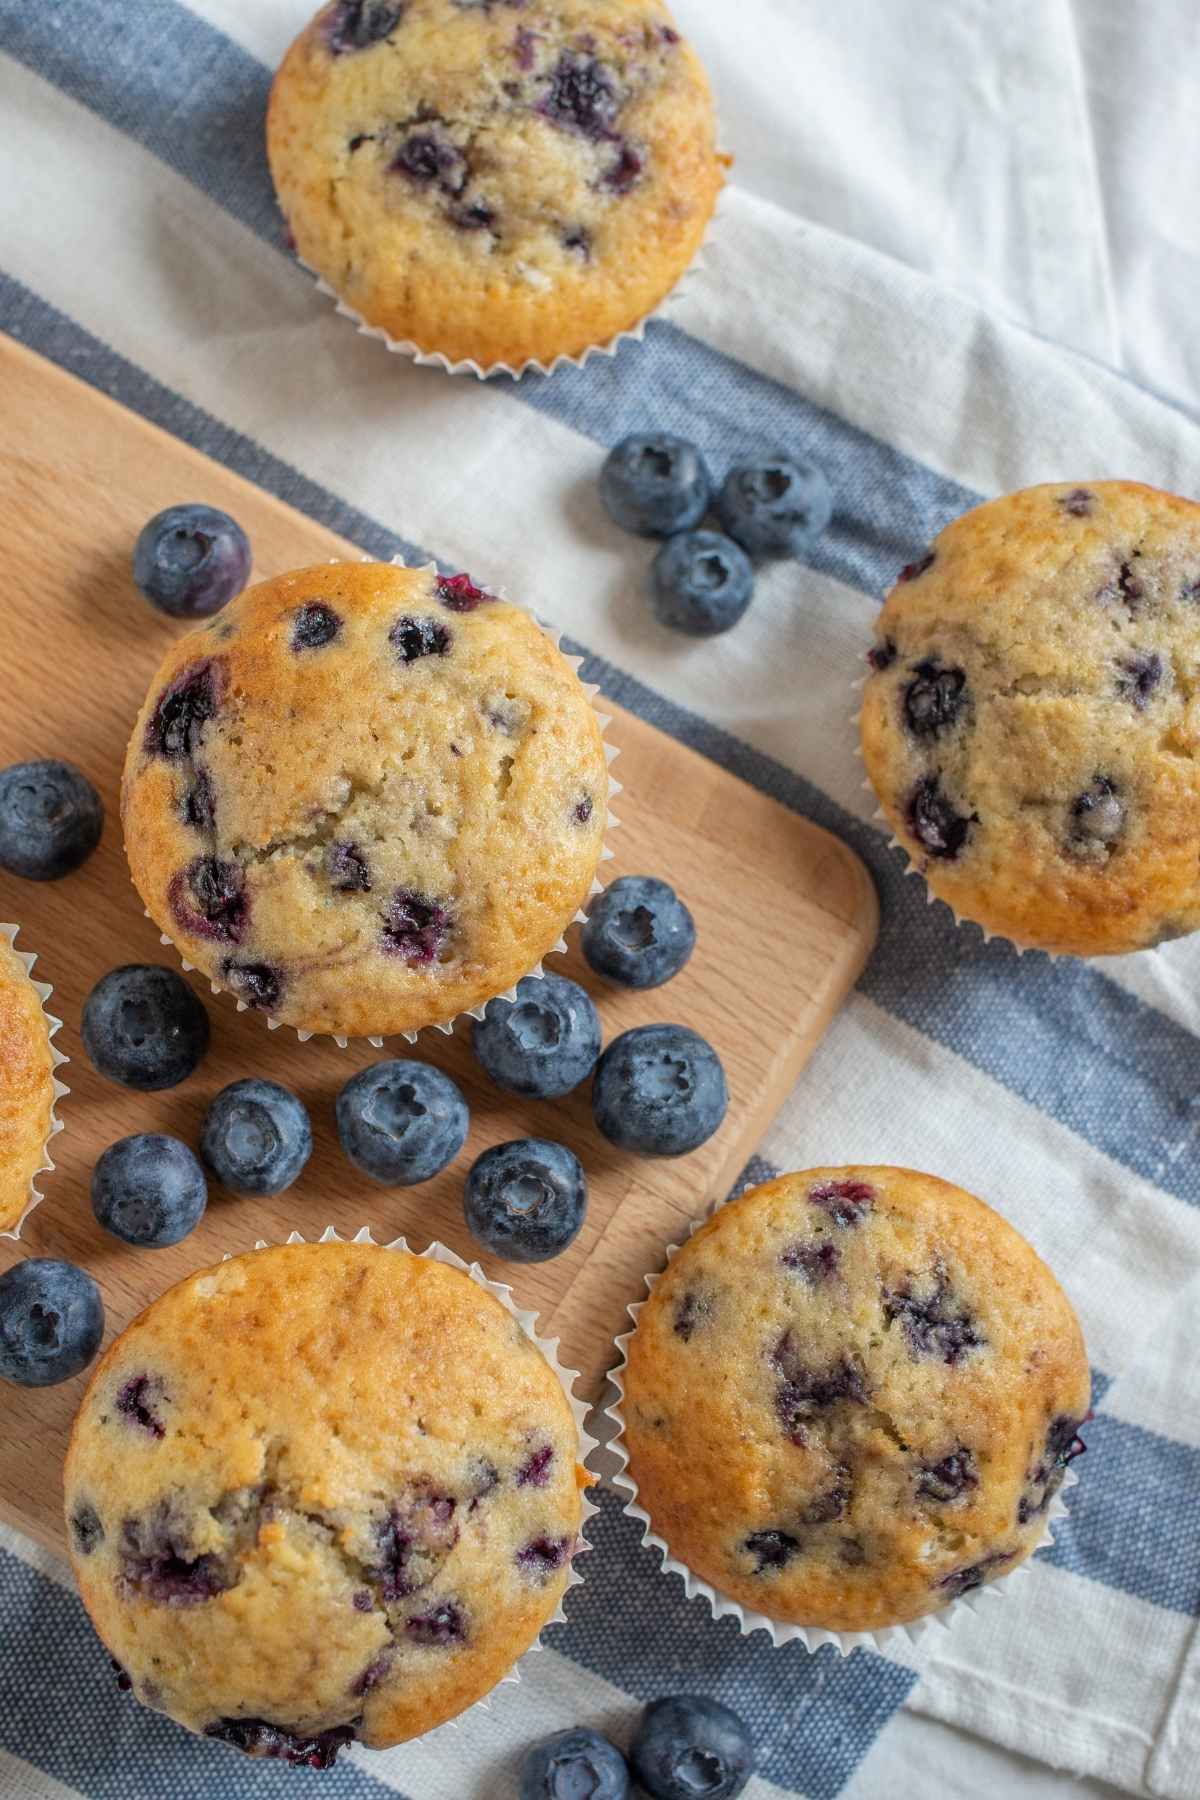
{"x":638,"y":932}
{"x":256,"y":1137}
{"x":701,"y":583}
{"x":543,"y":1043}
{"x":775,"y":506}
{"x":149,"y":1190}
{"x":659,"y":1089}
{"x":51,"y":1321}
{"x":526,"y":1200}
{"x":577,"y":1763}
{"x":144,"y":1027}
{"x":655,"y":485}
{"x":190,"y":561}
{"x":401,"y":1121}
{"x":51,"y":818}
{"x":686,"y":1745}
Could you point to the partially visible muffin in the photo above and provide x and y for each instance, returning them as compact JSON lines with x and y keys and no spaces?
{"x":498,"y":182}
{"x":27,"y":1085}
{"x":1031,"y":724}
{"x":365,"y":798}
{"x":851,"y":1398}
{"x":320,"y":1493}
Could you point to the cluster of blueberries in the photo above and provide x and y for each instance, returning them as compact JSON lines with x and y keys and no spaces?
{"x":702,"y":581}
{"x":658,"y":1089}
{"x":684,"y":1745}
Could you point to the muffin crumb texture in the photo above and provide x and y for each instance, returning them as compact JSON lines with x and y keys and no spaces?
{"x":365,"y":798}
{"x":27,"y":1090}
{"x":851,"y":1398}
{"x":495,"y":182}
{"x":319,"y":1493}
{"x":1031,"y":723}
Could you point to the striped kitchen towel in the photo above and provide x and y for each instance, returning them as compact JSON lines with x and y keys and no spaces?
{"x":142,"y":250}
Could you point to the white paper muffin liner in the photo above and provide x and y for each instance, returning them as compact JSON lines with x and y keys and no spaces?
{"x":781,"y":1632}
{"x":43,"y":990}
{"x":527,"y":1320}
{"x":879,"y":817}
{"x":611,"y":752}
{"x":632,"y":334}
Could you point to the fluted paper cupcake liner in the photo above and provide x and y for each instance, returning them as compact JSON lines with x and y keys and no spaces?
{"x":879,"y":817}
{"x":780,"y":1631}
{"x":527,"y":1320}
{"x":632,"y":334}
{"x":612,"y":823}
{"x":43,"y":990}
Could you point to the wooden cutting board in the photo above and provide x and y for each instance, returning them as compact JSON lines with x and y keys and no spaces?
{"x":785,"y":915}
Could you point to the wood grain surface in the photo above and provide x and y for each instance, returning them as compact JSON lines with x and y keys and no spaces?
{"x":785,"y":915}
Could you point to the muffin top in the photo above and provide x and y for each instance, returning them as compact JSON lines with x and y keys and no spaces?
{"x":500,"y":180}
{"x":1032,"y":722}
{"x":365,"y":798}
{"x":27,"y":1085}
{"x":851,"y":1397}
{"x":320,"y":1492}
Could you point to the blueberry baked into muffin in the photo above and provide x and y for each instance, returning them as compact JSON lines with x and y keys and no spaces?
{"x":495,"y":180}
{"x":851,"y":1398}
{"x":27,"y":1085}
{"x":1031,"y":722}
{"x":296,"y":1521}
{"x":365,"y":798}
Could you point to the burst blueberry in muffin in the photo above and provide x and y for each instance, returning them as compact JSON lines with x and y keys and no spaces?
{"x":851,"y":1398}
{"x":1028,"y":723}
{"x":366,"y":798}
{"x":495,"y":183}
{"x":297,"y":1521}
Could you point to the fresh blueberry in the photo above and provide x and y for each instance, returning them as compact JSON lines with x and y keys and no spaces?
{"x":51,"y":818}
{"x":687,"y":1745}
{"x":256,"y":1137}
{"x":655,"y":485}
{"x":144,"y":1027}
{"x":638,"y":933}
{"x":701,"y":583}
{"x":51,"y":1321}
{"x":190,"y":561}
{"x":401,"y":1121}
{"x":525,"y":1201}
{"x":149,"y":1190}
{"x":575,"y":1765}
{"x":543,"y":1043}
{"x":775,"y":506}
{"x":659,"y":1089}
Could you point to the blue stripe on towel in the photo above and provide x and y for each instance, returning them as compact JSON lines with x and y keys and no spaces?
{"x":1140,"y":1104}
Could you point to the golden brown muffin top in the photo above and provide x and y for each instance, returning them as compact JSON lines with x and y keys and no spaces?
{"x":851,"y":1397}
{"x":323,"y":1488}
{"x":1032,"y":721}
{"x":27,"y":1085}
{"x":495,"y":182}
{"x":365,"y":798}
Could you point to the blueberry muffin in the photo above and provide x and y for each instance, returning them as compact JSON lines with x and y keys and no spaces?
{"x":851,"y":1398}
{"x":1031,"y":723}
{"x":495,"y":180}
{"x":365,"y":798}
{"x":27,"y":1085}
{"x":319,"y":1493}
